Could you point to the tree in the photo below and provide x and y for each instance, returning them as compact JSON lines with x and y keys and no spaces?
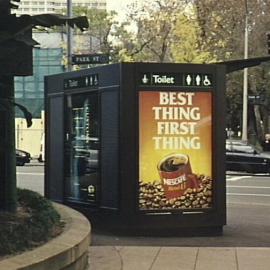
{"x":14,"y":33}
{"x":105,"y":33}
{"x":222,"y":26}
{"x":155,"y":23}
{"x":165,"y":31}
{"x":186,"y":45}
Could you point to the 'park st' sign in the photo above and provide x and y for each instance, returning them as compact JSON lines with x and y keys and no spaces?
{"x":80,"y":59}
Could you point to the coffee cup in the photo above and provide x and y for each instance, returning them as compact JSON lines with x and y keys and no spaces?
{"x":175,"y":172}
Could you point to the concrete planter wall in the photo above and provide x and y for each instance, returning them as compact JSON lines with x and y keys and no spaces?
{"x":68,"y":251}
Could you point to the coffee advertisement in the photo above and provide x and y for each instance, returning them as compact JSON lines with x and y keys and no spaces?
{"x":175,"y":150}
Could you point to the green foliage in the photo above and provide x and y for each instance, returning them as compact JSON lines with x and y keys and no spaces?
{"x":105,"y":31}
{"x":186,"y":48}
{"x":33,"y":224}
{"x":198,"y":31}
{"x":166,"y":31}
{"x":155,"y":23}
{"x":222,"y":27}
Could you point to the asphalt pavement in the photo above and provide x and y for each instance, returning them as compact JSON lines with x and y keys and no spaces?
{"x":243,"y":229}
{"x":31,"y":176}
{"x":248,"y":214}
{"x":248,"y":220}
{"x":244,"y":245}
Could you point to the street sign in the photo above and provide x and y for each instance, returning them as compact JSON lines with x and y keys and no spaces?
{"x":81,"y":82}
{"x":81,"y":59}
{"x":176,"y":79}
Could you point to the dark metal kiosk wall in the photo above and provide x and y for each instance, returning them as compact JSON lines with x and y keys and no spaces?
{"x":54,"y":140}
{"x":110,"y":148}
{"x":148,"y":155}
{"x":66,"y":96}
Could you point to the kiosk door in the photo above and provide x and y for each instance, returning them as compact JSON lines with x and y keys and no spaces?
{"x":82,"y":148}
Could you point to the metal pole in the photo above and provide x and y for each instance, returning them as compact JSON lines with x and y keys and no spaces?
{"x":69,"y":37}
{"x":245,"y":82}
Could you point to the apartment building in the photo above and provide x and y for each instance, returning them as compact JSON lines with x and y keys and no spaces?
{"x":34,"y":7}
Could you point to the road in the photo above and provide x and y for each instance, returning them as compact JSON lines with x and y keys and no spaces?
{"x":31,"y":176}
{"x":248,"y":214}
{"x":248,"y":220}
{"x":249,"y":189}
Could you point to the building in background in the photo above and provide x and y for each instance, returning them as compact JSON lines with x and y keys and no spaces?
{"x":30,"y":139}
{"x":47,"y":60}
{"x":29,"y":90}
{"x":34,"y":7}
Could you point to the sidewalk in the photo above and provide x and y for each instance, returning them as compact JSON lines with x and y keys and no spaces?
{"x":177,"y":258}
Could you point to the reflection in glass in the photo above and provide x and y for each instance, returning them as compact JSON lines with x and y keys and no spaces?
{"x":82,"y":148}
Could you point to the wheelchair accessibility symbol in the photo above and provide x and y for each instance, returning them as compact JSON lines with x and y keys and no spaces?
{"x":198,"y":79}
{"x":206,"y":81}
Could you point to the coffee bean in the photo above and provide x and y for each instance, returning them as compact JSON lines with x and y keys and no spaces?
{"x":152,"y":196}
{"x":195,"y":203}
{"x":202,"y":202}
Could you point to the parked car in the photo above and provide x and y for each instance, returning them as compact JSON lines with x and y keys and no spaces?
{"x":231,"y":142}
{"x":241,"y":156}
{"x":22,"y":157}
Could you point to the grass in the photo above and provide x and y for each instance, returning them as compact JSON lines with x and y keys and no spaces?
{"x":35,"y":222}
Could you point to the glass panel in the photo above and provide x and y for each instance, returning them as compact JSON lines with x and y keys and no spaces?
{"x":18,"y":94}
{"x":82,"y":147}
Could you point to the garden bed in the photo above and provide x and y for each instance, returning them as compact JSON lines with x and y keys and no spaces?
{"x":34,"y":223}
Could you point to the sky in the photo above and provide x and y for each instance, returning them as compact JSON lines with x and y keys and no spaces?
{"x":120,"y":6}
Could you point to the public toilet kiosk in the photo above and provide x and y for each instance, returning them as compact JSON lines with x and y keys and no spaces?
{"x":139,"y":146}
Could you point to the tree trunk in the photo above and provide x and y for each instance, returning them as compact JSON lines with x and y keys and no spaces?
{"x":8,"y":198}
{"x":258,"y":122}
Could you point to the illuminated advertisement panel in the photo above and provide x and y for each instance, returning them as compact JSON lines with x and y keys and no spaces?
{"x":175,"y":150}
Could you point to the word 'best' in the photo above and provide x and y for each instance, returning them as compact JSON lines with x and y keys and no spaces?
{"x":174,"y":98}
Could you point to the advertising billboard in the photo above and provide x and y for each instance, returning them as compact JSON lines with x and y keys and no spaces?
{"x":175,"y":150}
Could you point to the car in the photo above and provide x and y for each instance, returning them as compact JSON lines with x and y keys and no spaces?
{"x":244,"y":157}
{"x":22,"y":157}
{"x":231,"y":142}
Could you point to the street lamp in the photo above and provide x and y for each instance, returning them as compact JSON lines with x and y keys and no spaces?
{"x":245,"y":80}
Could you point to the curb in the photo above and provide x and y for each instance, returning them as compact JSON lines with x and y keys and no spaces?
{"x":68,"y":251}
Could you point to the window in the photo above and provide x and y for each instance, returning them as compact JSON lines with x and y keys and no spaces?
{"x":82,"y":147}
